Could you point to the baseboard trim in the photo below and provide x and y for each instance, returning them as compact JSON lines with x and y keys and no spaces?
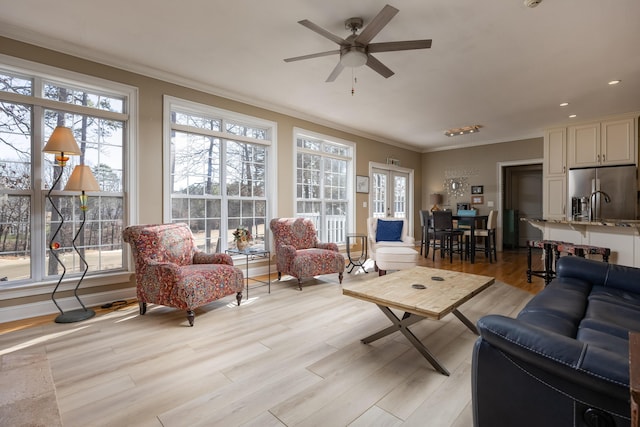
{"x":43,"y":308}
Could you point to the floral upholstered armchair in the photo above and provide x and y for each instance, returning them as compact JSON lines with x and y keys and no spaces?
{"x":172,"y":271}
{"x":300,"y":254}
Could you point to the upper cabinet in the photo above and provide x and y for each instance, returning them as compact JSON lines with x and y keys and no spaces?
{"x":611,"y":142}
{"x":555,"y":149}
{"x":554,"y":173}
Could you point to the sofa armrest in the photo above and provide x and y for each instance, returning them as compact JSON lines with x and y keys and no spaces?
{"x":566,"y":357}
{"x":214,"y":258}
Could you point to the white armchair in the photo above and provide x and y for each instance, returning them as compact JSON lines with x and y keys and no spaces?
{"x":389,"y":234}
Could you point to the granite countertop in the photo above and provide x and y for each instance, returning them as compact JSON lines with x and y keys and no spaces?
{"x":602,"y":222}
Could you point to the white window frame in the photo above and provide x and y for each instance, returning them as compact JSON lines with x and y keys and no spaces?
{"x":197,"y":108}
{"x":38,"y":285}
{"x":351,"y":177}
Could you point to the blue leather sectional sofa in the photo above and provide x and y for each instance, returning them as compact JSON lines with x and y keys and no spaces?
{"x":564,"y":361}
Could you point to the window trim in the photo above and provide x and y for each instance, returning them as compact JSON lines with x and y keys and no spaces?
{"x":351,"y":172}
{"x":29,"y":287}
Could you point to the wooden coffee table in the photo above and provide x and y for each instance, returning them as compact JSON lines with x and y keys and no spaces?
{"x":439,"y":298}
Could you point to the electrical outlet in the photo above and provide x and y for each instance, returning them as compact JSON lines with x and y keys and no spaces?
{"x":364,"y":204}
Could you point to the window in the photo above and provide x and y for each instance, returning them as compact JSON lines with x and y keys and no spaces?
{"x":324,"y":183}
{"x":219,"y":173}
{"x":34,"y":99}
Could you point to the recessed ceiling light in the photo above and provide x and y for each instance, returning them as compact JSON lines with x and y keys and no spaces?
{"x":564,"y":104}
{"x":614,"y":82}
{"x":572,"y":116}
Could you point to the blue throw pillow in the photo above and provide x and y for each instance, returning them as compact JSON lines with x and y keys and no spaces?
{"x":389,"y":231}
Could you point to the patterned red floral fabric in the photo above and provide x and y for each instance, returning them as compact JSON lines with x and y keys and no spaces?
{"x":172,"y":271}
{"x":298,"y":251}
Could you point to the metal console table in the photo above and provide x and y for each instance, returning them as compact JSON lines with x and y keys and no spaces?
{"x":251,"y":254}
{"x":357,"y":260}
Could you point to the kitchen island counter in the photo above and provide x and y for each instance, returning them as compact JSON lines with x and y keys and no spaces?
{"x":620,"y":235}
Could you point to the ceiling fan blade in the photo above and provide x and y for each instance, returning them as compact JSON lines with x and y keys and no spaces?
{"x":313,"y":27}
{"x":405,"y":45}
{"x":336,"y":71}
{"x":376,"y":24}
{"x":379,"y":67}
{"x":312,"y":55}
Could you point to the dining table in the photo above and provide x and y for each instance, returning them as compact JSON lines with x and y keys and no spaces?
{"x":473,"y":222}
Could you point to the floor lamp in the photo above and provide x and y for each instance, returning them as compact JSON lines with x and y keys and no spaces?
{"x":62,"y":144}
{"x":82,"y":180}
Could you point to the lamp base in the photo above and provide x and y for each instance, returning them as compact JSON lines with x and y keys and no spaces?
{"x":75,"y":316}
{"x":435,"y":208}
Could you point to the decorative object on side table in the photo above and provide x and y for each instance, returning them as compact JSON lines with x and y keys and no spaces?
{"x":436,"y":199}
{"x":242,"y":237}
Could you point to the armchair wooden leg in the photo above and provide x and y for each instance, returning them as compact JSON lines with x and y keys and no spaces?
{"x":239,"y":297}
{"x":340,"y":277}
{"x":299,"y":284}
{"x":143,"y":307}
{"x":191,"y":316}
{"x":279,"y":275}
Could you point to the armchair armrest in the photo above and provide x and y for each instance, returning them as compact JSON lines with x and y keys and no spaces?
{"x":329,"y":246}
{"x":409,"y":240}
{"x":286,"y":251}
{"x":215,"y":258}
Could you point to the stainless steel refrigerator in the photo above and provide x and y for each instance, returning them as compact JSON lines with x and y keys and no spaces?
{"x":590,"y":188}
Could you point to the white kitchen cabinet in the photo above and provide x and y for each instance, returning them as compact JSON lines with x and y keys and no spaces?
{"x":554,"y":197}
{"x":618,"y":142}
{"x":555,"y":152}
{"x":610,"y":142}
{"x":554,"y":173}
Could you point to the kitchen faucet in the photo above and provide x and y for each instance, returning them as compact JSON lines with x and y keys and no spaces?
{"x":607,"y":199}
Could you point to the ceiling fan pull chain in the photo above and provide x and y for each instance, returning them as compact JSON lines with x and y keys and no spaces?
{"x":354,"y":80}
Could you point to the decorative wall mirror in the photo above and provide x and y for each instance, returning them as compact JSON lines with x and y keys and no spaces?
{"x":456,"y":187}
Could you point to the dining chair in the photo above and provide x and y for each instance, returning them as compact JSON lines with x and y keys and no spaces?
{"x":488,"y":235}
{"x":449,"y":238}
{"x":425,"y":224}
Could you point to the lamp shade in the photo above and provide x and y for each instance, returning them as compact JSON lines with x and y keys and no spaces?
{"x":436,"y":198}
{"x":82,"y":179}
{"x":62,"y":141}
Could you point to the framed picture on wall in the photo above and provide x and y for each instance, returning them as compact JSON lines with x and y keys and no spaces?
{"x":362,"y":184}
{"x":477,"y":200}
{"x":477,"y":189}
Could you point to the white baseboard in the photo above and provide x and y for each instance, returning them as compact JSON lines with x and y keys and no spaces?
{"x":42,"y":308}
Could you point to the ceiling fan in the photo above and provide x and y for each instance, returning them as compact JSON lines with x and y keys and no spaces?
{"x":356,"y":49}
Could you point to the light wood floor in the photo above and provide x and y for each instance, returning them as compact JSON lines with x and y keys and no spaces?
{"x":287,"y":358}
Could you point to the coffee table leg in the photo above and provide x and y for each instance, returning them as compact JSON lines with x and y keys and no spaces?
{"x":466,"y":321}
{"x":402,"y":326}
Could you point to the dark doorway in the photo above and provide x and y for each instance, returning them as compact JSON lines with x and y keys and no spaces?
{"x":522,"y":199}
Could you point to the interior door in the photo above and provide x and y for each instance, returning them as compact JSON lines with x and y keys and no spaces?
{"x":524,"y":193}
{"x":390,"y":196}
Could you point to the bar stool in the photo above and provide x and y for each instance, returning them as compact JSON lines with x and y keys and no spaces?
{"x":582,"y":250}
{"x":550,"y":248}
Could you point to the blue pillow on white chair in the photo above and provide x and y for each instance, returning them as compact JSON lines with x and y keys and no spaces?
{"x":389,"y":230}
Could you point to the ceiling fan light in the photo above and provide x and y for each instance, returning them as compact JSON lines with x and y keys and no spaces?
{"x":353,"y":58}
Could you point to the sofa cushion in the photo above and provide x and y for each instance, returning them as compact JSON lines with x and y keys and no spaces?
{"x":389,"y":231}
{"x":612,"y":318}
